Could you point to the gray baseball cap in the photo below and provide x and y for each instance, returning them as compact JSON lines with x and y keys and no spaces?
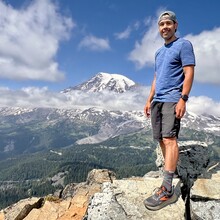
{"x":167,"y":15}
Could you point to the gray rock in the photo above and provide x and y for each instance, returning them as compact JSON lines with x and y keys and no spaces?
{"x":123,"y":199}
{"x":105,"y":206}
{"x":206,"y":210}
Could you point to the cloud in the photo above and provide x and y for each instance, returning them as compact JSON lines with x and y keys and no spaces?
{"x":124,"y":35}
{"x":127,"y":32}
{"x":31,"y":97}
{"x":34,"y":97}
{"x":195,"y":103}
{"x":124,"y":101}
{"x":95,"y":44}
{"x":144,"y":50}
{"x":29,"y":41}
{"x":207,"y":52}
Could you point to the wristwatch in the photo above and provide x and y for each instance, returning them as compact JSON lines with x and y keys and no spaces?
{"x":185,"y":97}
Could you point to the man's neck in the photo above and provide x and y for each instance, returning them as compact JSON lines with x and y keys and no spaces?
{"x":168,"y":41}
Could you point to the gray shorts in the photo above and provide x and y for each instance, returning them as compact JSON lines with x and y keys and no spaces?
{"x":163,"y":120}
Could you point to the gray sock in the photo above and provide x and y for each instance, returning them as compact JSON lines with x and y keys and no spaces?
{"x":168,"y":179}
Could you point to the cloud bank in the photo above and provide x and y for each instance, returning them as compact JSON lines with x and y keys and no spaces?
{"x":33,"y":97}
{"x":29,"y":41}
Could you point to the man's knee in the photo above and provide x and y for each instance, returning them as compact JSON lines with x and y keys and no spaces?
{"x":170,"y":141}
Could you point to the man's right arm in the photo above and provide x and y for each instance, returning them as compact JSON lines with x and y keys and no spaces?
{"x":150,"y":98}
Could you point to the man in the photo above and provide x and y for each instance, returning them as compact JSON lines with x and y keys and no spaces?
{"x":174,"y":73}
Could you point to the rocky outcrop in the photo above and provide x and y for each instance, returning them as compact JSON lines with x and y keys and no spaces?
{"x":72,"y":204}
{"x":123,"y":199}
{"x":103,"y":197}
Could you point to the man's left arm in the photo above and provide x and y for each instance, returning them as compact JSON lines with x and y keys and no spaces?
{"x":187,"y":85}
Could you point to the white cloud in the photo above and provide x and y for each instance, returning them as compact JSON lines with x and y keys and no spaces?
{"x":31,"y":97}
{"x":136,"y":25}
{"x":123,"y":101}
{"x":124,"y":34}
{"x":127,"y":32}
{"x":203,"y":105}
{"x":207,"y":52}
{"x":143,"y":52}
{"x":95,"y":44}
{"x":136,"y":100}
{"x":29,"y":41}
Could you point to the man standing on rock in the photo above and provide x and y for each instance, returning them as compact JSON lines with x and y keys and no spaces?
{"x":174,"y":73}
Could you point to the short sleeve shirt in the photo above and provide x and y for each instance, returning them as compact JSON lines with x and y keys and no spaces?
{"x":169,"y":62}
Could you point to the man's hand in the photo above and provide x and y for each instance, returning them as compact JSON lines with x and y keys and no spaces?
{"x":147,"y":109}
{"x":180,"y":108}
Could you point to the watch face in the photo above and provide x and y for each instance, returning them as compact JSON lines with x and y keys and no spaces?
{"x":184,"y":97}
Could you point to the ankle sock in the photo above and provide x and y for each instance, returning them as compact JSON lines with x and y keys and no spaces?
{"x":167,"y":180}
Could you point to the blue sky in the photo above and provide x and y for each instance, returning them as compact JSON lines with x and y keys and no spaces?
{"x":49,"y":45}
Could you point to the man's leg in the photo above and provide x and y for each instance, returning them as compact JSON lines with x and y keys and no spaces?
{"x":166,"y":126}
{"x":171,"y":153}
{"x":171,"y":156}
{"x":165,"y":194}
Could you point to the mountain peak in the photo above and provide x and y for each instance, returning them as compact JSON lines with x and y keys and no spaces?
{"x":105,"y":81}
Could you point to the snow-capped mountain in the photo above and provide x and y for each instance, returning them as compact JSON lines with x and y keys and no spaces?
{"x":105,"y":81}
{"x":206,"y":123}
{"x":45,"y":127}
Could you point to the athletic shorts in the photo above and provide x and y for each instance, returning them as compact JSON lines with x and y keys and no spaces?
{"x":164,"y":121}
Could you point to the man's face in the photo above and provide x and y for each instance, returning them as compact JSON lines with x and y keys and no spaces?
{"x":167,"y":29}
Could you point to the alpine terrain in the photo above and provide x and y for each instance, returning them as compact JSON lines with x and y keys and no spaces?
{"x":43,"y":149}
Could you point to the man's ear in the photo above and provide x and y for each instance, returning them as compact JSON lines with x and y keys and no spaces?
{"x":176,"y":26}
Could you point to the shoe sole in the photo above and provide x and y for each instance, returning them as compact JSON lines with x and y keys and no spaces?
{"x":170,"y":201}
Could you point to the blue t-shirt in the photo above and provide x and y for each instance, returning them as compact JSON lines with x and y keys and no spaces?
{"x":169,"y":62}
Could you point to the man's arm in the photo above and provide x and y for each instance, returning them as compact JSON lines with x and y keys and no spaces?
{"x":187,"y":85}
{"x":150,"y":97}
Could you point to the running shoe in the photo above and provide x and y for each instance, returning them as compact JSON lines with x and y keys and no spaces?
{"x":160,"y":199}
